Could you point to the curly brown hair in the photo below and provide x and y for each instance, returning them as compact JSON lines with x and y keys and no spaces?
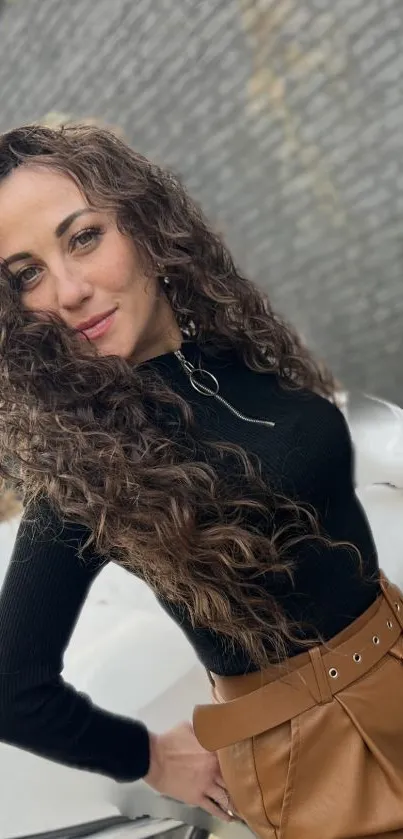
{"x":80,"y":429}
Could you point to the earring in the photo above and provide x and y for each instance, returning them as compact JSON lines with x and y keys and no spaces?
{"x":166,"y":281}
{"x":189,"y":331}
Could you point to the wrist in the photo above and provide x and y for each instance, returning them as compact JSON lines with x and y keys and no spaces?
{"x":155,"y":760}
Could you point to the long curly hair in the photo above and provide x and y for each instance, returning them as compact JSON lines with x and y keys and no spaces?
{"x":82,"y":431}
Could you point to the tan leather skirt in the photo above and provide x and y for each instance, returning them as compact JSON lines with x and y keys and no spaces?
{"x":313,"y":749}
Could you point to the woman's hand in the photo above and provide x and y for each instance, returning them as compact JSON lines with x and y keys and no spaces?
{"x":180,"y":768}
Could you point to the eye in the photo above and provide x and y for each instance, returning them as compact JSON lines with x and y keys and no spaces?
{"x":85,"y":238}
{"x":80,"y":241}
{"x":26,"y":274}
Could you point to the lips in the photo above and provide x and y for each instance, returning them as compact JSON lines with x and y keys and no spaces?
{"x":99,"y":327}
{"x":88,"y":324}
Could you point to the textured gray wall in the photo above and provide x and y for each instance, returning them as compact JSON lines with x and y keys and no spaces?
{"x":285,"y":119}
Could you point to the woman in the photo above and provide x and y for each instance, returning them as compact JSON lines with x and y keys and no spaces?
{"x":157,"y":414}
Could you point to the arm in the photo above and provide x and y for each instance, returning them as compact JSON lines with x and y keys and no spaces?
{"x":41,"y":599}
{"x":44,"y":590}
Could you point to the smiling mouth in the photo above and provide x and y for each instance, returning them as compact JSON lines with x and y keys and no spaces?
{"x":100,"y":328}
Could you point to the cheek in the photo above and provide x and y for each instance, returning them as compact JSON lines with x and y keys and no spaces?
{"x":120,"y":266}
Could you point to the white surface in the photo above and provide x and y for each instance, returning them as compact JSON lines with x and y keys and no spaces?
{"x":377,"y":430}
{"x":130,"y":658}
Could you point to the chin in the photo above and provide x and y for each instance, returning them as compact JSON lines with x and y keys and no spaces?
{"x":113,"y":345}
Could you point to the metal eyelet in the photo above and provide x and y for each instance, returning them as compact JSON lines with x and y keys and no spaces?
{"x":389,"y":624}
{"x":333,"y":673}
{"x":357,"y":658}
{"x":397,"y":607}
{"x":376,"y":640}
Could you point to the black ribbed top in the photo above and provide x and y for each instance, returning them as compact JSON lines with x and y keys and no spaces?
{"x":307,"y":456}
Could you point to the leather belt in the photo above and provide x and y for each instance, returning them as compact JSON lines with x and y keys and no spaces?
{"x":328,"y":671}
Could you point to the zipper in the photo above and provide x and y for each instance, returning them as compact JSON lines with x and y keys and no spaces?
{"x":214,"y":391}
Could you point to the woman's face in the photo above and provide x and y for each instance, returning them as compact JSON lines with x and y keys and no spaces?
{"x":71,"y":259}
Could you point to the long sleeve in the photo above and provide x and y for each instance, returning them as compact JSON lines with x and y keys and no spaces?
{"x":43,"y":593}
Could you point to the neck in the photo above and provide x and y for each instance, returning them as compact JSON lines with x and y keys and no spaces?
{"x":164,"y":339}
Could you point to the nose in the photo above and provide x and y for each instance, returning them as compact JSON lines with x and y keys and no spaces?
{"x":72,"y":284}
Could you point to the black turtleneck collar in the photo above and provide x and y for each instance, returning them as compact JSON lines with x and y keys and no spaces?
{"x":188,"y":348}
{"x":197,"y":353}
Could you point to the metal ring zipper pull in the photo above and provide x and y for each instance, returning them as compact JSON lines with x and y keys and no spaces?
{"x":192,"y":371}
{"x":199,"y":386}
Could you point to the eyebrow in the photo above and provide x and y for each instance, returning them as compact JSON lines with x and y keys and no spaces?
{"x":60,"y":230}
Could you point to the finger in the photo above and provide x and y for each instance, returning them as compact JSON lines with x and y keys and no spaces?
{"x":214,"y":809}
{"x":220,"y":796}
{"x":224,"y":800}
{"x":219,"y":780}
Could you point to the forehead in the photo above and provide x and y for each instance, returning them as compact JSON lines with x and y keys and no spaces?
{"x":30,"y":197}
